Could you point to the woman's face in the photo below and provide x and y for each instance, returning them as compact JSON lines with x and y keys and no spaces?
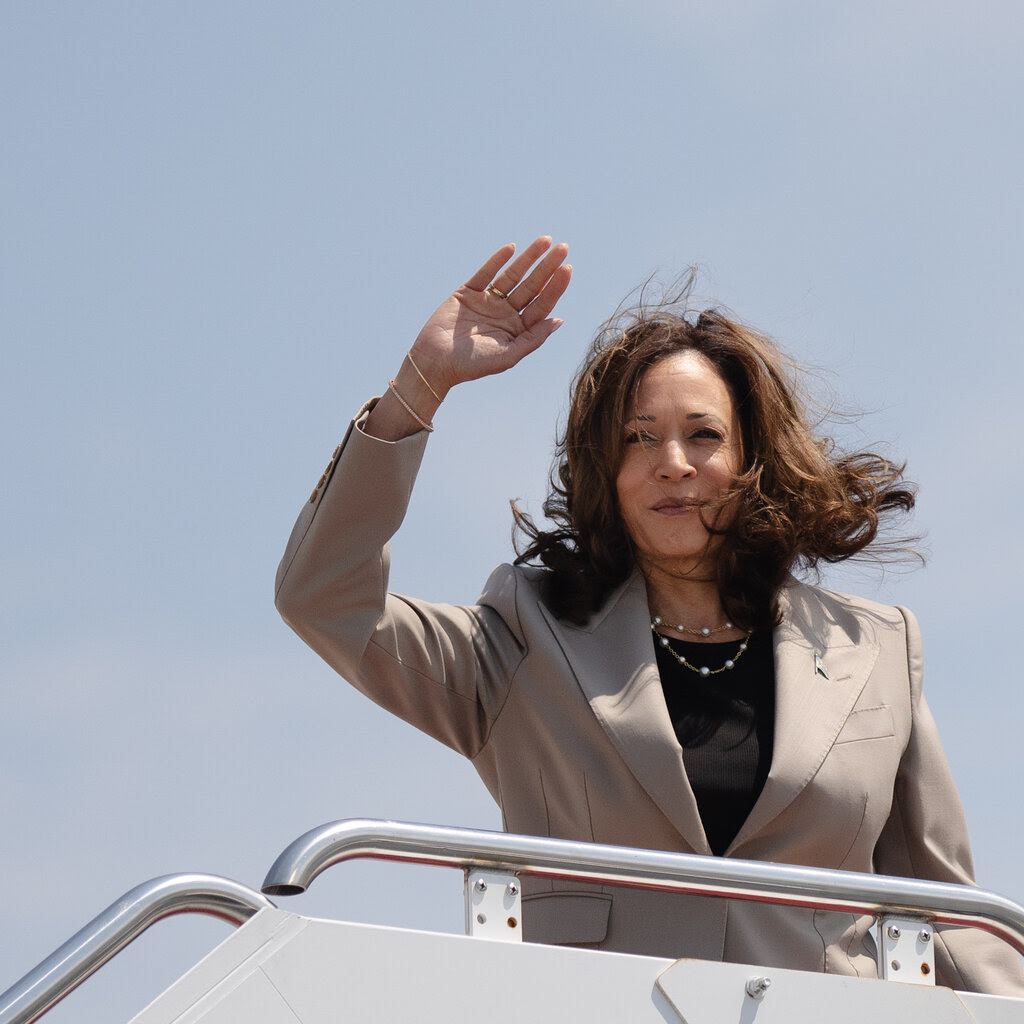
{"x":683,"y":450}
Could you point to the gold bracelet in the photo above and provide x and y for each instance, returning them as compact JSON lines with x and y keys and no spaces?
{"x":408,"y":356}
{"x":429,"y":427}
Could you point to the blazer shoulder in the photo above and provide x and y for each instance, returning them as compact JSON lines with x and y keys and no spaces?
{"x":857,"y":616}
{"x":513,"y":591}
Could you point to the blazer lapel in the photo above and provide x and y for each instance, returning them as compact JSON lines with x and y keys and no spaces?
{"x":612,"y":657}
{"x":823,"y":657}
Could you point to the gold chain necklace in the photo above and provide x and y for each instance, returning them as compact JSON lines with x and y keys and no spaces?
{"x":701,"y":670}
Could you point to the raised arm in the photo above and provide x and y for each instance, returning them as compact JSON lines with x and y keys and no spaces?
{"x":444,"y":668}
{"x":501,"y":314}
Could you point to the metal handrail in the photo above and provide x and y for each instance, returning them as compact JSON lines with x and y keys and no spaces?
{"x":790,"y":885}
{"x":109,"y":932}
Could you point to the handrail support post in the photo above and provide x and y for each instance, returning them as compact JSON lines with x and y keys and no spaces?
{"x":494,"y":904}
{"x":905,"y":949}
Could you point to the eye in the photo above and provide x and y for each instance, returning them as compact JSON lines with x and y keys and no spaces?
{"x":639,"y":437}
{"x":709,"y":434}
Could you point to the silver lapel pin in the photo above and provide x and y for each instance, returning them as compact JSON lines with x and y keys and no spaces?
{"x":819,"y":666}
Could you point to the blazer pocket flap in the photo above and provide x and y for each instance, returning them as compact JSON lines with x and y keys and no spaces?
{"x":565,"y":918}
{"x":867,"y":724}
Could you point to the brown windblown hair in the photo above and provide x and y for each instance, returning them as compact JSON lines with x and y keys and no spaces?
{"x":798,"y":500}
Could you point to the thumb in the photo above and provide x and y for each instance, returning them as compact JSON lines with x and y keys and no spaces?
{"x":532,"y":339}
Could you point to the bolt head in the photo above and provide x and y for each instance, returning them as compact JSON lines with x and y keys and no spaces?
{"x":893,"y":932}
{"x":481,"y":885}
{"x":924,"y":935}
{"x":512,"y":889}
{"x":758,"y":986}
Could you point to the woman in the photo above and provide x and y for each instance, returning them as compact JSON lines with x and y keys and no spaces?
{"x":765,"y":720}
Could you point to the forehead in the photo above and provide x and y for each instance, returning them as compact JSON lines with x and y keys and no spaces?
{"x":687,"y":381}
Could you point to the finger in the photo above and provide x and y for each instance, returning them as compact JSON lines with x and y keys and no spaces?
{"x":529,"y":289}
{"x":535,"y":337}
{"x":554,"y":288}
{"x":516,"y":270}
{"x":482,"y":278}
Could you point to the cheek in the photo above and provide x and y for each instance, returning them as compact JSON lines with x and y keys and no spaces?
{"x":627,"y":499}
{"x":724,"y":469}
{"x":625,"y":484}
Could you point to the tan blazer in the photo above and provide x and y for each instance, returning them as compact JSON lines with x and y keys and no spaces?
{"x":567,"y":727}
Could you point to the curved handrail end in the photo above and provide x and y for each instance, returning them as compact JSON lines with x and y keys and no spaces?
{"x":123,"y":921}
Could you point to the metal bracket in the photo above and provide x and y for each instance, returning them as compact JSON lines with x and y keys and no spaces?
{"x":494,"y":905}
{"x":906,"y":950}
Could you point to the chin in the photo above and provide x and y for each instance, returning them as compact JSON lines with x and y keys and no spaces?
{"x":688,"y":564}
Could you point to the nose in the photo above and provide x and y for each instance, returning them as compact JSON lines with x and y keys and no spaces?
{"x":672,"y":463}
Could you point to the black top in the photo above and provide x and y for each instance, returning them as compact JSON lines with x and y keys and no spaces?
{"x":725,"y":724}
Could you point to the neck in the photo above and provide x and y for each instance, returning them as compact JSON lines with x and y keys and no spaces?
{"x":695,"y":602}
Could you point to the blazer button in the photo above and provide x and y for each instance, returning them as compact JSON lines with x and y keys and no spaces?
{"x":337,"y":452}
{"x":321,"y":481}
{"x":312,"y":497}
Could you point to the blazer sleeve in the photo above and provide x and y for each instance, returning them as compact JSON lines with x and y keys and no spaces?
{"x":443,"y":668}
{"x":926,"y":837}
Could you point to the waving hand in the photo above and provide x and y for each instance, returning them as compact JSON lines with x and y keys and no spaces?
{"x":497,"y":317}
{"x":501,"y":314}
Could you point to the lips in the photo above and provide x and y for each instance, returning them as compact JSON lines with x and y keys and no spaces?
{"x":677,"y":506}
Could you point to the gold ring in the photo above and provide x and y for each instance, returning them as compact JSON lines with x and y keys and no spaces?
{"x":496,"y":292}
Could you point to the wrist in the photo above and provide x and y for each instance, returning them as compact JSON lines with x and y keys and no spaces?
{"x":430,"y":371}
{"x":432,"y":382}
{"x":405,"y":408}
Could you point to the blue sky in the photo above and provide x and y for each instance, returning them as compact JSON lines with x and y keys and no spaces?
{"x":222,"y":225}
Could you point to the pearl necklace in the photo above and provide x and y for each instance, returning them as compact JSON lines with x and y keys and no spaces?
{"x":703,"y":631}
{"x":701,"y":670}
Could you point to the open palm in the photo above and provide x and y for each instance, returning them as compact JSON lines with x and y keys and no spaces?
{"x":501,"y":314}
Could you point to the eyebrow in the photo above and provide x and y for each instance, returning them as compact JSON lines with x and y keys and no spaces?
{"x":645,"y":418}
